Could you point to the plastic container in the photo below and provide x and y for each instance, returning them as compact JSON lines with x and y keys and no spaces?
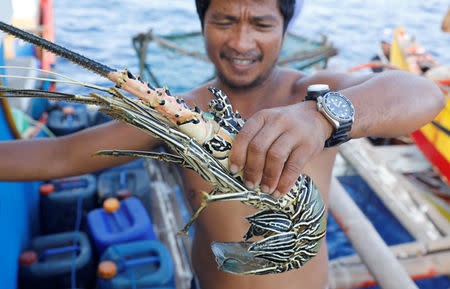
{"x":50,"y":260}
{"x":98,"y":118}
{"x":68,"y":119}
{"x":125,"y":183}
{"x":59,"y":203}
{"x":142,"y":264}
{"x":137,"y":164}
{"x":38,"y":106}
{"x":118,"y":223}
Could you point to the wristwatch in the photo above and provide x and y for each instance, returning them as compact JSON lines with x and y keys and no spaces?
{"x":336,"y":108}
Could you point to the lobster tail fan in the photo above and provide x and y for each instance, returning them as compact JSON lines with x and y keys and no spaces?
{"x":234,"y":257}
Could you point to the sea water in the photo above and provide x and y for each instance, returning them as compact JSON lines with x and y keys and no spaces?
{"x":103,"y":30}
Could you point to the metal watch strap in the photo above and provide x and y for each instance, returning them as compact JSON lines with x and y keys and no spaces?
{"x":339,"y":135}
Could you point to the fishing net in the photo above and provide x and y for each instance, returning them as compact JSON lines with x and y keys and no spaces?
{"x":180,"y":61}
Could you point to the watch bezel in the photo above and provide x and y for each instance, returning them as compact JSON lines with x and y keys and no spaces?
{"x":332,"y":114}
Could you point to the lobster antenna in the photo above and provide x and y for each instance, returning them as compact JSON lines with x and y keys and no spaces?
{"x":74,"y":57}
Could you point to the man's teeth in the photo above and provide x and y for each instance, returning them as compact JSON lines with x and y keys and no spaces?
{"x":242,"y":62}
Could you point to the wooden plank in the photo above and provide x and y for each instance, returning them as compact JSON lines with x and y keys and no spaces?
{"x":418,"y":267}
{"x":409,"y":158}
{"x":402,"y":158}
{"x":392,"y":192}
{"x":168,"y":225}
{"x":405,"y":251}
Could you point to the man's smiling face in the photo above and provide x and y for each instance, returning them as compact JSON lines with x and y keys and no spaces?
{"x":243,"y":39}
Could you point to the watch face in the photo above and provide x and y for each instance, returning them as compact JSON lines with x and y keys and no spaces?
{"x":339,"y":106}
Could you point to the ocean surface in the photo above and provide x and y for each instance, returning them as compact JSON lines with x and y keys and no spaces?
{"x":103,"y":30}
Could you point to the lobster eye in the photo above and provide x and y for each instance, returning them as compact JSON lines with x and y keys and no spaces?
{"x":258,"y":231}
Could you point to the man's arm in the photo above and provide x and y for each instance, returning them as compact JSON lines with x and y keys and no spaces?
{"x":275,"y":144}
{"x":388,"y":104}
{"x":48,"y":158}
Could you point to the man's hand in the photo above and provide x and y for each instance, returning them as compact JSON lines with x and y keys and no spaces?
{"x":275,"y":144}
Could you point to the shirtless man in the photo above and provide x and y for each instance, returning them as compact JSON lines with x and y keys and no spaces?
{"x":282,"y":137}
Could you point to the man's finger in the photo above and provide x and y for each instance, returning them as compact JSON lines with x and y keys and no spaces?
{"x":291,"y":171}
{"x":240,"y":144}
{"x":257,"y":151}
{"x":276,"y":157}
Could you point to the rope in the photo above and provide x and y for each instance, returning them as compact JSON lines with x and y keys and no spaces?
{"x":75,"y":240}
{"x":331,"y":51}
{"x":149,"y":36}
{"x":4,"y":105}
{"x":374,"y":64}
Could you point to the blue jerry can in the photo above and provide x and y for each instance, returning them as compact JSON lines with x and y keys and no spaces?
{"x":53,"y":261}
{"x":68,"y":119}
{"x":125,"y":183}
{"x":141,"y":264}
{"x":58,"y":203}
{"x":118,"y":223}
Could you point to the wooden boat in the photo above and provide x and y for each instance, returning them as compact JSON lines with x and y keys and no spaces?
{"x":19,"y":202}
{"x":434,"y":138}
{"x":38,"y":18}
{"x":399,"y":176}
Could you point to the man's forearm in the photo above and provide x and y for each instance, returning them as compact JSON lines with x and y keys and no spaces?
{"x":28,"y":160}
{"x":393,"y":103}
{"x":42,"y":159}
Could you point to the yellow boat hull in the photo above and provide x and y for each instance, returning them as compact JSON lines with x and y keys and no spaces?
{"x":433,"y":139}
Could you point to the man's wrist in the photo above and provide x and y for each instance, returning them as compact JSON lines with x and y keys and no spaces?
{"x":320,"y":120}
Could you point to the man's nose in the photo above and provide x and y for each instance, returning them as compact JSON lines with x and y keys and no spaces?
{"x":242,"y":39}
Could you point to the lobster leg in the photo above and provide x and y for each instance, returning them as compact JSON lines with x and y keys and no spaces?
{"x":247,"y":196}
{"x":164,"y":157}
{"x":194,"y":217}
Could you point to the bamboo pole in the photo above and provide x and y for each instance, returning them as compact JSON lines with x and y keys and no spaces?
{"x":375,"y":254}
{"x":357,"y":276}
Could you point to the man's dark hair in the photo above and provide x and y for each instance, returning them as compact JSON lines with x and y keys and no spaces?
{"x":286,"y":8}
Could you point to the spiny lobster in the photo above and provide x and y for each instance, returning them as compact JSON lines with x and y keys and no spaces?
{"x":292,"y":227}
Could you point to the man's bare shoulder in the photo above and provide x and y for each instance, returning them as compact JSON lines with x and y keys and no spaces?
{"x":300,"y":81}
{"x":336,"y":80}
